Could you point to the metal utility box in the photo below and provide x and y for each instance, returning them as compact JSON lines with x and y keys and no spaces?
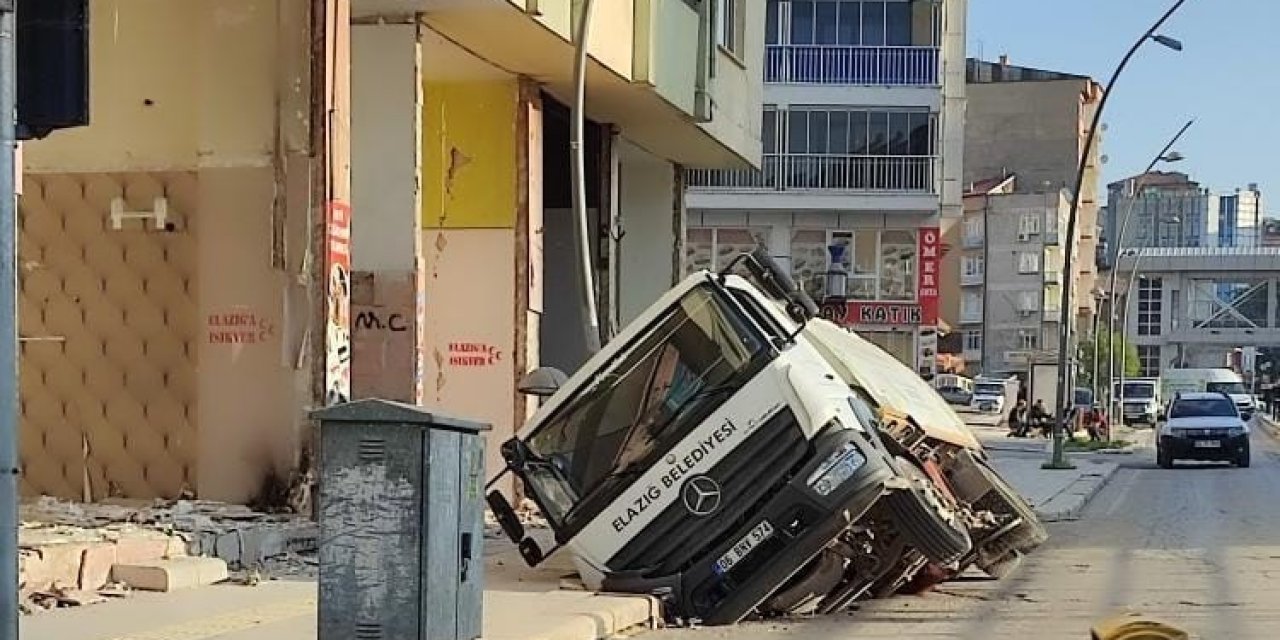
{"x":401,"y":515}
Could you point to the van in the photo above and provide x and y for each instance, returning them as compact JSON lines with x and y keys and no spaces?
{"x":1210,"y":381}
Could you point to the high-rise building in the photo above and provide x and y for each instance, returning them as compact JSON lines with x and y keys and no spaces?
{"x":1240,"y":218}
{"x":863,"y":141}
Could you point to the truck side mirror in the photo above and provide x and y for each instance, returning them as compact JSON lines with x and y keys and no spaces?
{"x":542,"y":382}
{"x":505,"y":515}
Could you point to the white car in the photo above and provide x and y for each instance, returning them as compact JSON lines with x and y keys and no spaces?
{"x":1203,"y":425}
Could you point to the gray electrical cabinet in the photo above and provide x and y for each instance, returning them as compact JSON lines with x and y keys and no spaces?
{"x":401,"y":513}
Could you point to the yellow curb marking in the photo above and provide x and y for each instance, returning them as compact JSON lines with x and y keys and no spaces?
{"x":227,"y":623}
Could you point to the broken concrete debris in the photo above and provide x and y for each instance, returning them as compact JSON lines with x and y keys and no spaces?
{"x":68,"y":550}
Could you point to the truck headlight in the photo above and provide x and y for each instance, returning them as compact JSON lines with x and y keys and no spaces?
{"x":836,"y":469}
{"x":1235,"y":432}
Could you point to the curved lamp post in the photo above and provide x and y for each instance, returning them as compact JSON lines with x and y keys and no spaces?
{"x":1165,"y":155}
{"x":1134,"y":275}
{"x":1065,"y":384}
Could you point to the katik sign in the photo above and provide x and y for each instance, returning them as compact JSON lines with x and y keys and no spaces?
{"x":922,"y":312}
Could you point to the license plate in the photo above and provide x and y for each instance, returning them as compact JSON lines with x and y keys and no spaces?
{"x":739,"y":550}
{"x":1208,"y":444}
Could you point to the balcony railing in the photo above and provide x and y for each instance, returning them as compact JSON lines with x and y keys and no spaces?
{"x":839,"y":64}
{"x":1053,"y":277}
{"x":969,"y":279}
{"x":794,"y":172}
{"x":972,"y":241}
{"x":970,"y":316}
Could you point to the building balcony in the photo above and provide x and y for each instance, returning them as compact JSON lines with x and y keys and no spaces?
{"x":971,"y":279}
{"x":1053,"y":277}
{"x":849,"y":65}
{"x":971,"y":355}
{"x":811,"y":172}
{"x":971,"y":316}
{"x":972,"y":242}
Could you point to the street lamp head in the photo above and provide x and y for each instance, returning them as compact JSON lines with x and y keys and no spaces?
{"x":1172,"y":43}
{"x":1172,"y":156}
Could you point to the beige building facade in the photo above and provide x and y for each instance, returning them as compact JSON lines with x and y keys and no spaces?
{"x":175,"y":312}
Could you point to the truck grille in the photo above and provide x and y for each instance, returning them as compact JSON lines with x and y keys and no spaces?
{"x":748,"y":477}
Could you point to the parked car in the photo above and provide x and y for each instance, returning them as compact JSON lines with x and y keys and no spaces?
{"x":955,"y":389}
{"x":1203,"y":425}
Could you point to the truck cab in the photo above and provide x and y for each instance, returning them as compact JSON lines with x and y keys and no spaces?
{"x":708,"y":455}
{"x":1140,"y":400}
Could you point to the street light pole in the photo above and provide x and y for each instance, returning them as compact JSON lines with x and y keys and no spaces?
{"x":1165,"y":155}
{"x":8,"y":324}
{"x":1058,"y":461}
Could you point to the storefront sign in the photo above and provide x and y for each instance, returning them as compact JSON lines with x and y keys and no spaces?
{"x":872,"y":313}
{"x":473,"y":354}
{"x":930,"y":261}
{"x":337,"y":343}
{"x":240,"y":326}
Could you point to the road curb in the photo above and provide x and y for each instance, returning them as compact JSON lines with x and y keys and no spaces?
{"x":1067,"y":504}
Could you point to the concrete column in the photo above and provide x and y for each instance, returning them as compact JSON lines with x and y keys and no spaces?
{"x":386,"y":290}
{"x":653,"y":215}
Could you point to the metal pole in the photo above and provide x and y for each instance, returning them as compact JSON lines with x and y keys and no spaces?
{"x":577,"y":167}
{"x":1058,"y":460}
{"x":1134,"y":274}
{"x":8,"y":327}
{"x":1140,"y":185}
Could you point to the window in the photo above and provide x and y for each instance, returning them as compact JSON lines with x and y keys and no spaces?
{"x":1148,"y":360}
{"x":1149,"y":306}
{"x":973,"y":341}
{"x":1028,"y":340}
{"x":971,"y":307}
{"x":1029,"y":224}
{"x":713,"y":248}
{"x":846,"y":23}
{"x":973,"y":266}
{"x":898,"y":265}
{"x":973,"y":232}
{"x":648,"y":400}
{"x":1029,"y":262}
{"x":1203,"y":408}
{"x":729,"y":31}
{"x":810,"y":260}
{"x":845,"y":132}
{"x":1028,"y":301}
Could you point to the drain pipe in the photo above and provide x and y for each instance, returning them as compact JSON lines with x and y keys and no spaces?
{"x":578,"y":170}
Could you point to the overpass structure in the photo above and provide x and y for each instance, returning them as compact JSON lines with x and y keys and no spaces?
{"x":1192,"y":307}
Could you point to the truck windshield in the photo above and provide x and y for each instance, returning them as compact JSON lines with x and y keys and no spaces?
{"x":650,"y":395}
{"x":988,"y":390}
{"x":1138,"y":391}
{"x":1202,"y":408}
{"x":1225,"y":387}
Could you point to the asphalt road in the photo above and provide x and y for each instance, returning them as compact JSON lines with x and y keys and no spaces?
{"x":1198,"y":546}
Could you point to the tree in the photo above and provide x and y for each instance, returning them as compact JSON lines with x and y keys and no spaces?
{"x":1125,"y":356}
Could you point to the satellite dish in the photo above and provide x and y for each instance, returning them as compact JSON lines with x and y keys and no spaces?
{"x":1104,"y":159}
{"x":1104,"y":126}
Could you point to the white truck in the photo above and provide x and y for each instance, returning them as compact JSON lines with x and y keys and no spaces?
{"x":711,"y":456}
{"x":1140,"y":400}
{"x":1209,"y":380}
{"x":994,"y":395}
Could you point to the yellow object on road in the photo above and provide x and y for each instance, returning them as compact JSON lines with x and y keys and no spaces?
{"x":1135,"y":627}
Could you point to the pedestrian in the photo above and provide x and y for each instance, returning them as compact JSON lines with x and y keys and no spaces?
{"x":1040,"y":417}
{"x":1018,"y":420}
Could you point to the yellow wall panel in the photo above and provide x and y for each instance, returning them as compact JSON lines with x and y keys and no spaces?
{"x":469,"y":155}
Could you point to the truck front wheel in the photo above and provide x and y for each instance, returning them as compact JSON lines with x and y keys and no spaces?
{"x":925,"y":519}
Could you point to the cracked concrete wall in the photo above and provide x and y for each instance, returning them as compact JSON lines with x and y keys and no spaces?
{"x":204,"y":102}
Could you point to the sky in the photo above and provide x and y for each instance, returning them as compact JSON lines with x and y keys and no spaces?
{"x":1227,"y":77}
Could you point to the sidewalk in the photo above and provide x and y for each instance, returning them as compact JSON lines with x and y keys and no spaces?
{"x":519,"y":604}
{"x":1056,"y":495}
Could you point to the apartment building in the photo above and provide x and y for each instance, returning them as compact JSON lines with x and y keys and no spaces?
{"x":1010,"y":265}
{"x":862,"y":137}
{"x":1240,"y":218}
{"x":1033,"y":123}
{"x":464,"y":267}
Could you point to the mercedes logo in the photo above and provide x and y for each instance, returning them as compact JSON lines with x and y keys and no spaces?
{"x":701,"y":495}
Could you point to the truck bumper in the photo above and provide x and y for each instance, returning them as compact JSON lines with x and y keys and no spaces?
{"x":803,"y":524}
